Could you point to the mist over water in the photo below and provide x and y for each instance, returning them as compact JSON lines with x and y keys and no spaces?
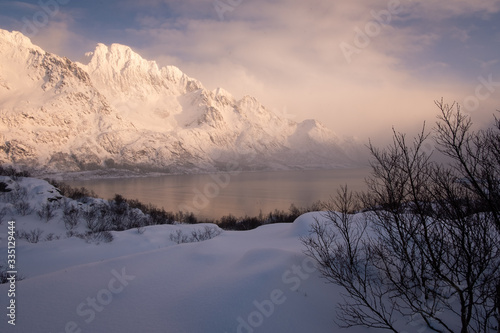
{"x":247,"y":193}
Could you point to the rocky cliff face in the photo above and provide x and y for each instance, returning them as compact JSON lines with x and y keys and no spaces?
{"x":119,"y":110}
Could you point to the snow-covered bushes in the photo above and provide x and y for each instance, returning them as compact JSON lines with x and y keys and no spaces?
{"x":71,"y":217}
{"x":46,"y":211}
{"x":97,"y":237}
{"x":32,"y":236}
{"x":21,"y":194}
{"x":197,"y":235}
{"x":18,"y":196}
{"x":179,"y":237}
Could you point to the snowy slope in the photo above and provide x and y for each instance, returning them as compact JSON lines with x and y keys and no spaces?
{"x":119,"y":110}
{"x":251,"y":281}
{"x":210,"y":286}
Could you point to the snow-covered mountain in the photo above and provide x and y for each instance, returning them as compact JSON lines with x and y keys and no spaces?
{"x":118,"y":110}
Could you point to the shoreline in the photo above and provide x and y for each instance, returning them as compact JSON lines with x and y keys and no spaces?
{"x":106,"y":174}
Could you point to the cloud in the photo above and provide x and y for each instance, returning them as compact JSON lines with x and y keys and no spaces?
{"x":439,"y":10}
{"x":488,"y":64}
{"x":58,"y":39}
{"x":21,"y":5}
{"x":288,"y":53}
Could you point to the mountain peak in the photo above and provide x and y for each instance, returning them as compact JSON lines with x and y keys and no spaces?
{"x":310,"y":124}
{"x":118,"y":57}
{"x":15,"y":37}
{"x":121,"y":110}
{"x":17,"y":41}
{"x":126,"y":78}
{"x":223,"y":93}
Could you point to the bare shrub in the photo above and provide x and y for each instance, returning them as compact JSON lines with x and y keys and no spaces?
{"x":141,"y":230}
{"x":71,"y":216}
{"x":136,"y":219}
{"x":18,"y":193}
{"x":427,"y":248}
{"x":179,"y":237}
{"x":72,"y":233}
{"x":72,"y":192}
{"x":23,"y":207}
{"x":46,"y":212}
{"x":90,"y":215}
{"x":32,"y":236}
{"x":51,"y":236}
{"x":19,"y":198}
{"x":198,"y":235}
{"x":207,"y":233}
{"x":98,"y":237}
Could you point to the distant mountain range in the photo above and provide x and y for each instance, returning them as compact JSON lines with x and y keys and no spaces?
{"x":120,"y":111}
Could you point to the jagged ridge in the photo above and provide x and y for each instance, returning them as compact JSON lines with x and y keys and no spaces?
{"x":120,"y":110}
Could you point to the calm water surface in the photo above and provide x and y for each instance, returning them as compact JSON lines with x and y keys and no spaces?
{"x":239,"y":194}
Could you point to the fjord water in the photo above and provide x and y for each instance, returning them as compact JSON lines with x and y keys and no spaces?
{"x":237,"y":193}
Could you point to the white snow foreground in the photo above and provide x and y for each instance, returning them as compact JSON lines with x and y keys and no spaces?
{"x":239,"y":281}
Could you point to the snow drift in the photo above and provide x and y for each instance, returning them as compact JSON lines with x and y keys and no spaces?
{"x":250,"y":281}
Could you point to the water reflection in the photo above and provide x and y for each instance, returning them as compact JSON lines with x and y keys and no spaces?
{"x":245,"y":193}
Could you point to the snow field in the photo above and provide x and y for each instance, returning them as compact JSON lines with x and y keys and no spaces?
{"x":240,"y":281}
{"x":253,"y":281}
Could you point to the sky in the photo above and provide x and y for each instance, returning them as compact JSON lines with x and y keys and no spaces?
{"x":359,"y":67}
